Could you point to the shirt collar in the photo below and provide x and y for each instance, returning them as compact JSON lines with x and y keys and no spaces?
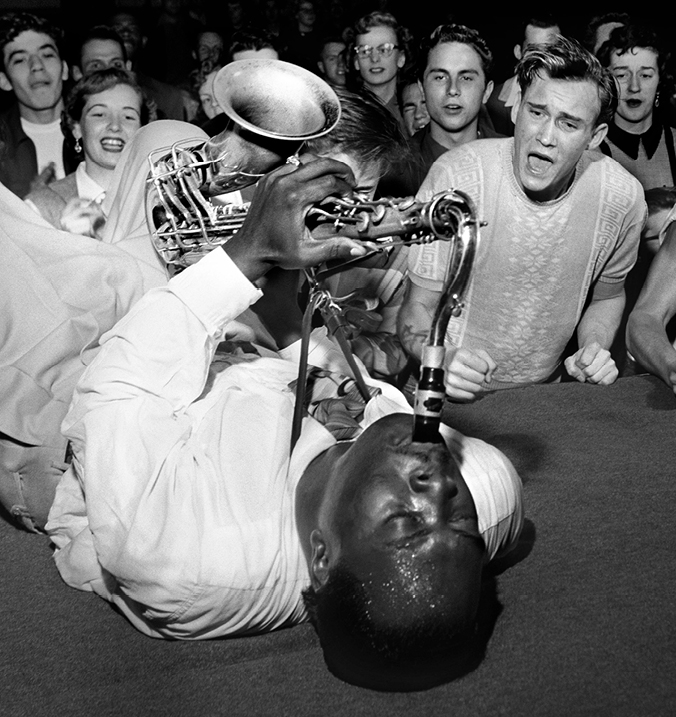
{"x":87,"y":188}
{"x":629,"y":143}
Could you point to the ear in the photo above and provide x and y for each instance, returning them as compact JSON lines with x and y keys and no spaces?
{"x":5,"y":84}
{"x":320,"y":65}
{"x":487,"y":91}
{"x":77,"y":73}
{"x":598,"y":135}
{"x":319,"y":560}
{"x":64,"y":71}
{"x":356,"y":62}
{"x":76,"y":130}
{"x":127,"y":65}
{"x":401,"y":60}
{"x":517,"y":52}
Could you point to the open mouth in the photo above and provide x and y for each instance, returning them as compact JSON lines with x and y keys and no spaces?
{"x":634,"y":104}
{"x":538,"y":163}
{"x":112,"y":145}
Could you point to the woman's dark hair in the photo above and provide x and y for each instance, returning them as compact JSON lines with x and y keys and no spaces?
{"x":630,"y":37}
{"x":598,"y":20}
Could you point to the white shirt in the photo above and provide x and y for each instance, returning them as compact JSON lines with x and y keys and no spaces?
{"x":48,"y":141}
{"x":190,"y":491}
{"x":87,"y":187}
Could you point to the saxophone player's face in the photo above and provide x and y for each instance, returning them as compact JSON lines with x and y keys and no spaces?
{"x":366,"y":176}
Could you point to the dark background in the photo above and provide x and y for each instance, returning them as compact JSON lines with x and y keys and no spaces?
{"x":501,"y":29}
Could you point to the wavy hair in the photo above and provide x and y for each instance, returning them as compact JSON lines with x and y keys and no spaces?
{"x":566,"y":59}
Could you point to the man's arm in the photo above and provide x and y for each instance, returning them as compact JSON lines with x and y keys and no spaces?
{"x":415,"y":318}
{"x":130,"y":420}
{"x":596,"y":331}
{"x":466,"y":372}
{"x":646,"y":336}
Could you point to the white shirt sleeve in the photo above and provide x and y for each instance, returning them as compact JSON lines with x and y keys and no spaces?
{"x":128,"y":424}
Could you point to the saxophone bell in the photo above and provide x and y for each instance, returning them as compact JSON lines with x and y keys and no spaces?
{"x":272,"y":108}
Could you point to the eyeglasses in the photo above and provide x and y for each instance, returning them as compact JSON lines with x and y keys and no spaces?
{"x":386,"y":49}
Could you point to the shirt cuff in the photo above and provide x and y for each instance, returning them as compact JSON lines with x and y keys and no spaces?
{"x":215,"y":290}
{"x":320,"y":349}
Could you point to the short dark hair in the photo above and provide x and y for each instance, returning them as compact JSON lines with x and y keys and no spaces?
{"x":660,"y":199}
{"x":456,"y":33}
{"x":250,"y":39}
{"x":406,"y":80}
{"x":434,"y":646}
{"x":566,"y":59}
{"x":332,"y":37}
{"x":96,"y":82}
{"x":542,"y":21}
{"x":12,"y":24}
{"x":366,"y":129}
{"x":598,"y":20}
{"x":98,"y":32}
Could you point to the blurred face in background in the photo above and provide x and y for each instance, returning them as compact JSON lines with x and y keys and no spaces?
{"x":126,"y":26}
{"x":413,"y":108}
{"x":208,"y":99}
{"x":332,"y":63}
{"x":209,"y":49}
{"x":99,"y":54}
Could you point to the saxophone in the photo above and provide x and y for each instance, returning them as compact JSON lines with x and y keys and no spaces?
{"x":273,"y":107}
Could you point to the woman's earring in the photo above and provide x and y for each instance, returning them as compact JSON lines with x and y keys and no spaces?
{"x":657,"y":100}
{"x":78,"y":146}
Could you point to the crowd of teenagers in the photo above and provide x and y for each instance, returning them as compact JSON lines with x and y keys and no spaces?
{"x":148,"y":411}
